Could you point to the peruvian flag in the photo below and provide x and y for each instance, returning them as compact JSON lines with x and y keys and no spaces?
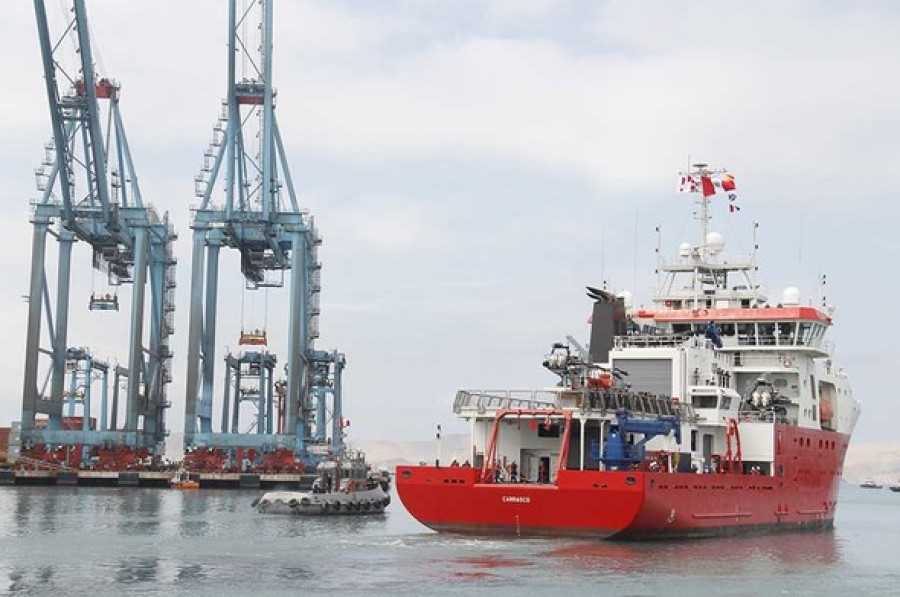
{"x":733,"y":208}
{"x":709,"y":188}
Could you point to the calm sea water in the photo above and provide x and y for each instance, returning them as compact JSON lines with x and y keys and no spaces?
{"x":95,"y":541}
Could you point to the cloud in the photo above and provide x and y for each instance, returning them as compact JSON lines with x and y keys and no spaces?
{"x":471,"y":165}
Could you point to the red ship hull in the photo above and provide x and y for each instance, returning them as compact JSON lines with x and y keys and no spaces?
{"x":802,"y":494}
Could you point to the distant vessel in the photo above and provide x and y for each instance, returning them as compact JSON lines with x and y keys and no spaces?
{"x":895,"y":488}
{"x":870,"y":484}
{"x":183,"y":480}
{"x":711,"y":413}
{"x":344,"y":485}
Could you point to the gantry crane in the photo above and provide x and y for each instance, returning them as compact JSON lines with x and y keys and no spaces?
{"x":90,"y":194}
{"x":257,"y":215}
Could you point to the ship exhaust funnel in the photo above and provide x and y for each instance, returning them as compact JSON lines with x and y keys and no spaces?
{"x":607,"y":321}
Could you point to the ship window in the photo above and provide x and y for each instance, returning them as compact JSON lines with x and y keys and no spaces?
{"x":803,"y":335}
{"x":726,"y":329}
{"x":817,"y":332}
{"x":785,"y":331}
{"x":746,"y":334}
{"x":766,"y":333}
{"x":693,"y":440}
{"x":704,"y":401}
{"x":726,"y":402}
{"x":548,"y":430}
{"x":779,"y":382}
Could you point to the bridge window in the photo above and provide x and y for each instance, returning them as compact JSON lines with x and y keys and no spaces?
{"x":704,"y":401}
{"x":785,"y":333}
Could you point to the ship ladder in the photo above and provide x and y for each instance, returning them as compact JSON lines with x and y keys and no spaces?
{"x":731,"y":430}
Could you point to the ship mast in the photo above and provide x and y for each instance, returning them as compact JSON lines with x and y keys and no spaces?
{"x":698,"y":279}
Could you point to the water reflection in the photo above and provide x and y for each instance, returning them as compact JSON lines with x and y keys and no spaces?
{"x":188,"y":573}
{"x":134,"y":570}
{"x":293,"y":573}
{"x":723,"y":555}
{"x":37,"y":581}
{"x":139,"y":512}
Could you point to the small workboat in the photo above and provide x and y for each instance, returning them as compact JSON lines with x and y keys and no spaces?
{"x":870,"y":484}
{"x":345,"y":485}
{"x":182,"y":480}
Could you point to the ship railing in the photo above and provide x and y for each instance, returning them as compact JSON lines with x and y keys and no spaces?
{"x":765,"y":416}
{"x":482,"y":400}
{"x":780,"y":341}
{"x":642,"y":404}
{"x":771,"y":360}
{"x":651,"y":340}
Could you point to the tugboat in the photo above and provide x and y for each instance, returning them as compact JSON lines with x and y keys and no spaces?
{"x":715,"y":412}
{"x":344,"y":486}
{"x":870,"y":484}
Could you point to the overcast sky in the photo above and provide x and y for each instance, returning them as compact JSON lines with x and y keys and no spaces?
{"x":473,"y":165}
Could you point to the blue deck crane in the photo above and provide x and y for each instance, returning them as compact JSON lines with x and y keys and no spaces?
{"x":619,"y":453}
{"x":257,"y":214}
{"x":89,"y":193}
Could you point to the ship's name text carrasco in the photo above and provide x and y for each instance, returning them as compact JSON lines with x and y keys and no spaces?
{"x":519,"y":499}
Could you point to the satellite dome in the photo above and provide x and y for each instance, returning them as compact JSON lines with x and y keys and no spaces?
{"x":684,"y":250}
{"x":790,"y":296}
{"x":715,"y":242}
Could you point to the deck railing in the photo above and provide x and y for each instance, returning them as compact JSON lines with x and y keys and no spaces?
{"x":602,"y":401}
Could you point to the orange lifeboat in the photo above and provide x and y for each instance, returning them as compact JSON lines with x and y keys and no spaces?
{"x":182,"y":480}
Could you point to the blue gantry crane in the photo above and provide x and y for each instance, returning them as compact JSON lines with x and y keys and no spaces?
{"x":248,"y":204}
{"x":90,"y":194}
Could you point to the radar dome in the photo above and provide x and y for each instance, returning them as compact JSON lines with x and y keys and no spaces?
{"x":790,"y":296}
{"x":715,"y":242}
{"x":684,"y":250}
{"x":626,"y":297}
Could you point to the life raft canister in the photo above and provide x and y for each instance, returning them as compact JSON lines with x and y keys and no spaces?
{"x":600,"y":380}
